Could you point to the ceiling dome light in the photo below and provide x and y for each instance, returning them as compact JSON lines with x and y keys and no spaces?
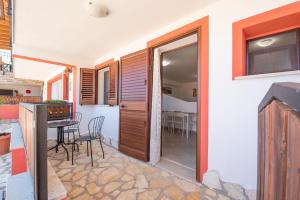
{"x":96,"y":9}
{"x":266,"y":42}
{"x":165,"y":63}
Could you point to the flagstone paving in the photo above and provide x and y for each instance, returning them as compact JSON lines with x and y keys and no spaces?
{"x":122,"y":178}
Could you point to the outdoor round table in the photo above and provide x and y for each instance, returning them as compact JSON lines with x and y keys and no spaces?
{"x":60,"y":133}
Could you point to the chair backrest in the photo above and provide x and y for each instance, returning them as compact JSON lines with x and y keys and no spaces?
{"x":95,"y":126}
{"x":78,"y":118}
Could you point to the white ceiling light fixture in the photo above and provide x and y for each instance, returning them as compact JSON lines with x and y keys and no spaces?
{"x":96,"y":9}
{"x":166,"y":63}
{"x":266,"y":42}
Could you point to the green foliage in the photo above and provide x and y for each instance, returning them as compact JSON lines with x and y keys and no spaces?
{"x":1,"y":100}
{"x":55,"y":102}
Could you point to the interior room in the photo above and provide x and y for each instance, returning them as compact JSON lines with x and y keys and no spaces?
{"x":179,"y":61}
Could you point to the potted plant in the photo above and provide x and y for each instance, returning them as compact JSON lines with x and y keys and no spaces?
{"x":4,"y":143}
{"x":58,"y":109}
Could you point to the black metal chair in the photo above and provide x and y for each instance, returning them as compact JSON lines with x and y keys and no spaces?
{"x":74,"y":128}
{"x":95,"y":127}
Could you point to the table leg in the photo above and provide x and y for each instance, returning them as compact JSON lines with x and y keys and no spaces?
{"x":187,"y":126}
{"x":57,"y":141}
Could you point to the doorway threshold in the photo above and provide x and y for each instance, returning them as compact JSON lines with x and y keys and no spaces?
{"x":178,"y":169}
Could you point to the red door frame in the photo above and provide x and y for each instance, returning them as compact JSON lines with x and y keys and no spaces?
{"x":201,"y":27}
{"x":73,"y":67}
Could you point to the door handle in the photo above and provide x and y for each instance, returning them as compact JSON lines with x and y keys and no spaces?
{"x":299,"y":171}
{"x":122,"y":106}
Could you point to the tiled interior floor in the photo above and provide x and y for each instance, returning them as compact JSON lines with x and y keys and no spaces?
{"x":121,"y":177}
{"x":177,"y":147}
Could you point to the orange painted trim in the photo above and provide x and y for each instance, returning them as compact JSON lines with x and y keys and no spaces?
{"x":203,"y":97}
{"x":42,"y":60}
{"x":74,"y":70}
{"x":105,"y":64}
{"x":200,"y":26}
{"x":9,"y":111}
{"x":274,"y":21}
{"x":49,"y":85}
{"x":65,"y":89}
{"x":177,"y":33}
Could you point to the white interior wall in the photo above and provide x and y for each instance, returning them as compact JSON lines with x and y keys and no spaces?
{"x":170,"y":103}
{"x":232,"y":104}
{"x":180,"y":90}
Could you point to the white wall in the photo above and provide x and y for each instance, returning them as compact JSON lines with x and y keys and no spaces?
{"x":233,"y":104}
{"x":35,"y":90}
{"x":110,"y":128}
{"x":180,"y":90}
{"x":170,"y":103}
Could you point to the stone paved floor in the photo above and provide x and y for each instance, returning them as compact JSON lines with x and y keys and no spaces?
{"x":122,"y":178}
{"x":5,"y":172}
{"x":5,"y":161}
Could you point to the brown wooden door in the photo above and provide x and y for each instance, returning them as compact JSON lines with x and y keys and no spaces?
{"x":134,"y":125}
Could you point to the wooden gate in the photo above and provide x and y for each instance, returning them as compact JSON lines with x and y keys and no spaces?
{"x":279,"y":150}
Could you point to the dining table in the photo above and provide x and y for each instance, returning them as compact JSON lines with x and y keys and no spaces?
{"x":60,"y":141}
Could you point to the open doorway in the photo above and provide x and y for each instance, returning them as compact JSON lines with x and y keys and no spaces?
{"x":179,"y":108}
{"x":175,"y":101}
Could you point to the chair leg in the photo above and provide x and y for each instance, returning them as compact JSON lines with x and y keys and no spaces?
{"x":75,"y":143}
{"x":72,"y":153}
{"x":101,"y":147}
{"x":79,"y":136}
{"x":87,"y":148}
{"x":91,"y":152}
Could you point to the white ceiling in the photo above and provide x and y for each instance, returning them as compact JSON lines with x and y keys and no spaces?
{"x":63,"y":26}
{"x":183,"y":64}
{"x":26,"y":69}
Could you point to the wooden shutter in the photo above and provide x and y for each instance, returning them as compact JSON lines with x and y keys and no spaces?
{"x":113,"y":83}
{"x":2,"y":15}
{"x":134,"y":119}
{"x":5,"y":33}
{"x":87,"y":86}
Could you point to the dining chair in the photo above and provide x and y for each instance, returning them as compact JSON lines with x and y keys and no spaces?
{"x":95,"y":127}
{"x":179,"y":121}
{"x":74,"y":128}
{"x":167,"y":120}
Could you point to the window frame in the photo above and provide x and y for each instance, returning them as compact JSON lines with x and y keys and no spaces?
{"x":97,"y":85}
{"x":280,"y":19}
{"x":248,"y":66}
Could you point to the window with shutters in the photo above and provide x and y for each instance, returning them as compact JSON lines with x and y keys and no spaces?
{"x":100,"y":85}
